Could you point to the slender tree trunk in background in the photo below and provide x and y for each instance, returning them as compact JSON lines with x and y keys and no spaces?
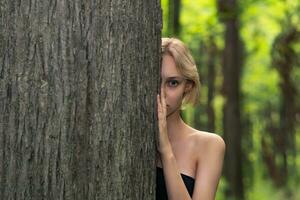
{"x":197,"y":123}
{"x":207,"y":77}
{"x":231,"y":90}
{"x":284,"y":59}
{"x":174,"y":17}
{"x":78,"y":82}
{"x":211,"y":77}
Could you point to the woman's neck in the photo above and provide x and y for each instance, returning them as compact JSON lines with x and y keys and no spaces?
{"x":176,"y":127}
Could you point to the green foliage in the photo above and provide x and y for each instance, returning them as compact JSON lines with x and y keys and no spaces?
{"x":165,"y":9}
{"x":260,"y":23}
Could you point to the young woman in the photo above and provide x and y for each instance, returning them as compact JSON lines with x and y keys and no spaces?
{"x":190,"y":161}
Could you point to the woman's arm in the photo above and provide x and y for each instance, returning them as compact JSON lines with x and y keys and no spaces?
{"x":210,"y":155}
{"x":209,"y":168}
{"x":208,"y":173}
{"x":175,"y":186}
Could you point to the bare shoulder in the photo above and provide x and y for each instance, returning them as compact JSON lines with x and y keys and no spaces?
{"x":208,"y":143}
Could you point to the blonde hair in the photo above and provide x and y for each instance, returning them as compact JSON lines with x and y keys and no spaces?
{"x":185,"y":65}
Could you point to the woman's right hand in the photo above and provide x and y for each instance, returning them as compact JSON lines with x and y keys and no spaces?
{"x":164,"y":142}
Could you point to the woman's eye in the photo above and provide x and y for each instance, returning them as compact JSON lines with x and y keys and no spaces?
{"x":173,"y":83}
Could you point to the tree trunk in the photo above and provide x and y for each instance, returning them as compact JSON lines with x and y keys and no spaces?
{"x":231,"y":90}
{"x":174,"y":17}
{"x":282,"y":134}
{"x":211,"y":77}
{"x":78,"y":83}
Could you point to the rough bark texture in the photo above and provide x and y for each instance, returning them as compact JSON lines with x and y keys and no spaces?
{"x":78,"y":82}
{"x":228,"y":10}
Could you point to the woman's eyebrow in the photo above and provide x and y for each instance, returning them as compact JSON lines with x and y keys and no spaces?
{"x":173,"y":77}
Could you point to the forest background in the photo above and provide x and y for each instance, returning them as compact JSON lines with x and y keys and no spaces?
{"x":61,"y":136}
{"x":248,"y":57}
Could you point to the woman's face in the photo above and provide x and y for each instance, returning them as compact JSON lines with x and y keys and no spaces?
{"x":173,"y":83}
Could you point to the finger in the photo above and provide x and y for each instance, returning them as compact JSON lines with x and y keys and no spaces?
{"x":163,"y":98}
{"x":158,"y":103}
{"x":162,"y":92}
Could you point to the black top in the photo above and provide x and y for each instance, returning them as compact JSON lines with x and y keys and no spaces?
{"x":161,"y":191}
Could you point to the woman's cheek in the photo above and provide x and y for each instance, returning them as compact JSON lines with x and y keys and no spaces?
{"x":174,"y":99}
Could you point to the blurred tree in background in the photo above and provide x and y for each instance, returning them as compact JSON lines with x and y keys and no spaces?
{"x":248,"y":57}
{"x":228,"y":13}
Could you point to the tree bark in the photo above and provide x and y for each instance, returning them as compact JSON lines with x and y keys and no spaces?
{"x":78,"y":84}
{"x":231,"y":91}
